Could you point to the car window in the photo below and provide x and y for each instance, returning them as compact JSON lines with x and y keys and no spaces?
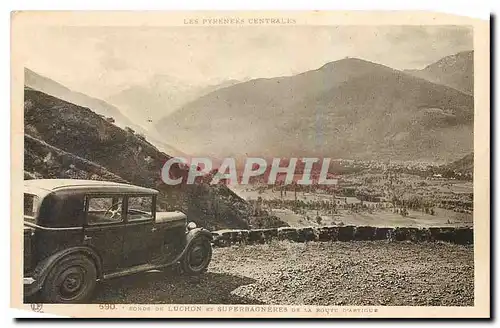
{"x":103,"y":210}
{"x":140,"y":208}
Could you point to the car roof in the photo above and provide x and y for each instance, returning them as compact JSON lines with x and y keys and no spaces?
{"x":44,"y":186}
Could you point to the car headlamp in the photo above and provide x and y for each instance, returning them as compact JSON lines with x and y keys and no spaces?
{"x":191,"y":225}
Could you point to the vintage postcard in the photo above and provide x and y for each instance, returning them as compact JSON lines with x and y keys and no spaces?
{"x":250,"y":164}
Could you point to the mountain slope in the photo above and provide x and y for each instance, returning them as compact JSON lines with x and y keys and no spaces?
{"x":43,"y":160}
{"x":463,"y":167}
{"x":64,"y":140}
{"x":53,"y":88}
{"x":349,"y":108}
{"x":158,"y":97}
{"x":456,"y":71}
{"x":41,"y":83}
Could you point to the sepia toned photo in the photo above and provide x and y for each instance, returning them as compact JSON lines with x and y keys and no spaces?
{"x":250,"y":164}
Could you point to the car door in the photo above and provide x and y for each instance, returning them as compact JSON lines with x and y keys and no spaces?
{"x":142,"y":242}
{"x":104,"y":229}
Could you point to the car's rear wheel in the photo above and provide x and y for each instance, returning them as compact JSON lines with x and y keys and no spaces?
{"x":71,"y":280}
{"x":197,"y":256}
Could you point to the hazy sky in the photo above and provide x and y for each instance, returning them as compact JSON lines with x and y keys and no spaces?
{"x":101,"y":61}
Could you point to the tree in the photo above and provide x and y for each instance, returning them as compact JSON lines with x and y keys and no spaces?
{"x":334,"y":207}
{"x":396,"y":194}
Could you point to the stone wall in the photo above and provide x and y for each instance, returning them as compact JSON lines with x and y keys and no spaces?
{"x":224,"y":238}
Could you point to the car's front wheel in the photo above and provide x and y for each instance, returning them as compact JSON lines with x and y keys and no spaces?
{"x":197,"y":256}
{"x":71,"y":280}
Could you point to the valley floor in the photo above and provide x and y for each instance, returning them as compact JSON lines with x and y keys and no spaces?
{"x":328,"y":273}
{"x":379,"y":218}
{"x":384,"y":216}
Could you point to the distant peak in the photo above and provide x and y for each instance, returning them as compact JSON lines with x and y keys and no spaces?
{"x":351,"y":62}
{"x":454,"y":58}
{"x":344,"y":60}
{"x":461,"y":54}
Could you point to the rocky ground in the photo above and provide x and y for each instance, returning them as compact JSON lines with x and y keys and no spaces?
{"x":316,"y":273}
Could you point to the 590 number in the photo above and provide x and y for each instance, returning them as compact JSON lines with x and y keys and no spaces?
{"x":107,"y":307}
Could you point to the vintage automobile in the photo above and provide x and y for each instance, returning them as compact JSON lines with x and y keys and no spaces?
{"x":79,"y":232}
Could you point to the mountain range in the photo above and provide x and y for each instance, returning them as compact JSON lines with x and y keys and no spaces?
{"x":111,"y":113}
{"x":39,"y":82}
{"x":159,"y":96}
{"x":349,"y":108}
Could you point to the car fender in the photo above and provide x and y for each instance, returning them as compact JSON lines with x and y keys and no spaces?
{"x":192,"y":234}
{"x":43,"y":268}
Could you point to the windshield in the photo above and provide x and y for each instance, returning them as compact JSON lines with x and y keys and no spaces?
{"x":30,"y":207}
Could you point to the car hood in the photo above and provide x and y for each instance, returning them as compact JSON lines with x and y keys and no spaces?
{"x":170,"y":217}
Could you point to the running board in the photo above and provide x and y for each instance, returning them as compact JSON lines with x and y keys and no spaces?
{"x":133,"y":270}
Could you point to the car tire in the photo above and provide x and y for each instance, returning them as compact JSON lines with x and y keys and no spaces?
{"x":71,"y":280}
{"x":197,"y":256}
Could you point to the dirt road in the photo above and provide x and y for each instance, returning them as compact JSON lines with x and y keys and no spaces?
{"x":333,"y":273}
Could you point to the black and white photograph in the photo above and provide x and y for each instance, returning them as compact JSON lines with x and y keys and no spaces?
{"x":250,"y":164}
